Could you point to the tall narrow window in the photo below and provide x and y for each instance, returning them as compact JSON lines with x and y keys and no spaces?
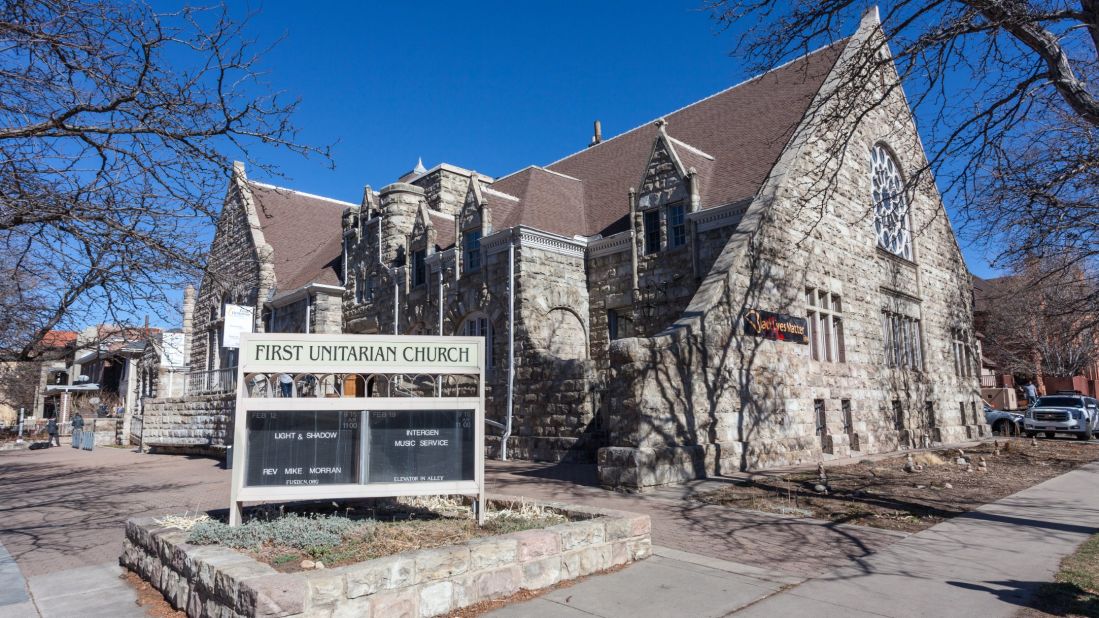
{"x":898,"y":414}
{"x":961,"y":408}
{"x":825,"y":326}
{"x":848,"y":420}
{"x":471,"y":244}
{"x":903,"y":341}
{"x":419,"y":267}
{"x":677,"y":227}
{"x":890,"y":204}
{"x":929,"y":414}
{"x":822,"y":417}
{"x":652,"y":231}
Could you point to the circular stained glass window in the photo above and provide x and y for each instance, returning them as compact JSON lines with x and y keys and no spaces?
{"x":890,"y":206}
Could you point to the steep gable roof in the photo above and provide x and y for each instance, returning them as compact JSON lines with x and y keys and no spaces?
{"x":305,"y":233}
{"x":732,"y":139}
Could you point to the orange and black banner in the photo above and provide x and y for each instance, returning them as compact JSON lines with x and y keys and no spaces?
{"x":777,"y":326}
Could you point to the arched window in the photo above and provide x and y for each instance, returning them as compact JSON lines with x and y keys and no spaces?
{"x":478,"y":325}
{"x":890,"y":205}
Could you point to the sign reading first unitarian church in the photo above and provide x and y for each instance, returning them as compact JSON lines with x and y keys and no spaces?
{"x":303,"y":433}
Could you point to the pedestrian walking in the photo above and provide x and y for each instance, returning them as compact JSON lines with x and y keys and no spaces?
{"x":51,"y":429}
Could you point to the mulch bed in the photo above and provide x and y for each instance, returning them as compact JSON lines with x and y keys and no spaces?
{"x":881,"y":494}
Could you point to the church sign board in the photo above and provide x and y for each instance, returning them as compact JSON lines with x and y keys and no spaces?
{"x":305,"y":446}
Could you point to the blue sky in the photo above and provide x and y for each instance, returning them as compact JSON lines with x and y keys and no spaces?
{"x":492,"y":86}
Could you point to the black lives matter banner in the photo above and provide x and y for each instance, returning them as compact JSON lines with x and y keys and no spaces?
{"x":303,"y":448}
{"x":777,"y":326}
{"x":326,"y":448}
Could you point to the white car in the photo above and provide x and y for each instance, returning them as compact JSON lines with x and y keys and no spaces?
{"x":1063,"y":413}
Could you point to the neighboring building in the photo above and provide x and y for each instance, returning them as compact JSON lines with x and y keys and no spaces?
{"x":1031,"y":341}
{"x":621,"y":289}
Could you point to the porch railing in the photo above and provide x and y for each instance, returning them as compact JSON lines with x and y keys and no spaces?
{"x":988,"y":381}
{"x":214,"y":381}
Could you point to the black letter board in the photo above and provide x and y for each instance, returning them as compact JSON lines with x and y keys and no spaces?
{"x":418,"y":446}
{"x":303,"y":448}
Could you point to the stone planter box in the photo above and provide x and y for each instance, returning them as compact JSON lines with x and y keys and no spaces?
{"x":216,"y":581}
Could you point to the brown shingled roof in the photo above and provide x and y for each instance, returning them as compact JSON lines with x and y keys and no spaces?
{"x":744,"y":128}
{"x":549,"y":201}
{"x":305,"y":232}
{"x":444,"y":230}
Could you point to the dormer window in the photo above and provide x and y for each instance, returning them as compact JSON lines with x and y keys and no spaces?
{"x":890,"y":206}
{"x":677,"y":226}
{"x":471,"y":245}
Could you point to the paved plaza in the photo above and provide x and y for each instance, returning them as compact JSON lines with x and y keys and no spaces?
{"x":63,"y":514}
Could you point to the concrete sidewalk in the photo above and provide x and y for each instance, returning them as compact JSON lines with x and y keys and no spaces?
{"x":987,"y":563}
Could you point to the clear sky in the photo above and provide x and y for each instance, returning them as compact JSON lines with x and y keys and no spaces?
{"x":490,"y":86}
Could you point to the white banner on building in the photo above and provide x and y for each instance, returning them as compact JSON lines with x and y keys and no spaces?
{"x":238,"y":319}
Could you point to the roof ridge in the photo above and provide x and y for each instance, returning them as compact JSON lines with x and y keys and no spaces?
{"x":501,"y":193}
{"x":706,"y":98}
{"x":301,"y":193}
{"x":691,"y":148}
{"x":539,"y":167}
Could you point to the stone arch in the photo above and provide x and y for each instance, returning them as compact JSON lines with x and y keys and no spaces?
{"x":564,"y":334}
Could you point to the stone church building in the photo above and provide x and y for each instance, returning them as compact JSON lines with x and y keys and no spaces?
{"x":677,"y":301}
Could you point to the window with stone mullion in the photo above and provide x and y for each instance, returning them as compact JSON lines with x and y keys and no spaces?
{"x":825,"y":326}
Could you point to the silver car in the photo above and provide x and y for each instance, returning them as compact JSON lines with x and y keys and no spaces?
{"x":1063,"y":413}
{"x":1003,"y":423}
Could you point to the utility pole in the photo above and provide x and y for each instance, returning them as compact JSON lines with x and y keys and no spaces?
{"x":19,"y":439}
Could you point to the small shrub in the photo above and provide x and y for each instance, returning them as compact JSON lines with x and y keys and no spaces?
{"x":290,"y":530}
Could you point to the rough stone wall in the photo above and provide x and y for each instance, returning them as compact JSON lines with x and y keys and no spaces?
{"x":444,"y":190}
{"x":705,"y":398}
{"x":204,"y":421}
{"x":555,"y":383}
{"x":238,"y":269}
{"x":551,"y":337}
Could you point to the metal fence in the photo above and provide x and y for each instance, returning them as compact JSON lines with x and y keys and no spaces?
{"x":215,"y":381}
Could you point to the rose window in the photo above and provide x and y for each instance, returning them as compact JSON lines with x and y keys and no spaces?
{"x":890,"y":206}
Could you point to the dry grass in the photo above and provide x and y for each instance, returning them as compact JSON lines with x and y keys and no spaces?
{"x":881,"y":494}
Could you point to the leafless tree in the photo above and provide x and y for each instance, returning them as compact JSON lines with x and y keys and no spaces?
{"x":1006,"y":94}
{"x":1027,"y":330}
{"x":118,"y":125}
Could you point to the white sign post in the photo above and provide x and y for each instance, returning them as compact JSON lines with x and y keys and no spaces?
{"x":358,"y":416}
{"x":238,"y":320}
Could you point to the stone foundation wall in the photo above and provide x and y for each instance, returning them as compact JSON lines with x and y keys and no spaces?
{"x":211,"y":580}
{"x":203,"y":423}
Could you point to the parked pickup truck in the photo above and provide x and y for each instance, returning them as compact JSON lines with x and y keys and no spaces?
{"x":1061,"y":413}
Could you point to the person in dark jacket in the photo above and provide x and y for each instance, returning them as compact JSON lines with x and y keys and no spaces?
{"x":78,"y":427}
{"x":51,"y":429}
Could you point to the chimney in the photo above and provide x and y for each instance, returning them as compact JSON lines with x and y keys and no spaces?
{"x":188,"y":318}
{"x":598,"y":137}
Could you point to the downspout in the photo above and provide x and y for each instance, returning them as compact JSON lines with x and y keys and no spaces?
{"x":396,"y":304}
{"x":308,"y":311}
{"x":439,"y":381}
{"x":633,"y":240}
{"x":440,"y":331}
{"x":511,"y":346}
